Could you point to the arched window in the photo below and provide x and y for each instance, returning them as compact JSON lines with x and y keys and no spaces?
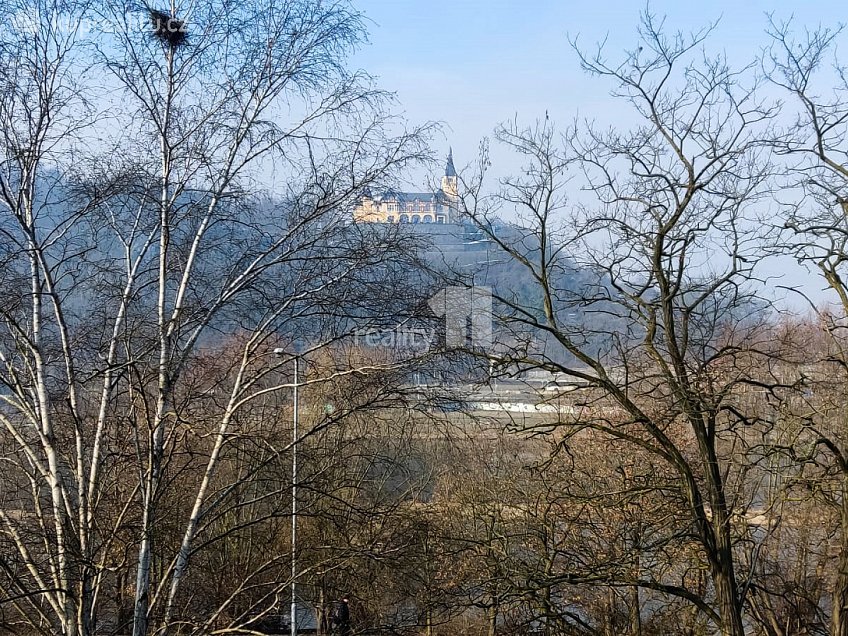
{"x":390,"y":219}
{"x":427,"y":218}
{"x":404,"y":218}
{"x":415,"y":218}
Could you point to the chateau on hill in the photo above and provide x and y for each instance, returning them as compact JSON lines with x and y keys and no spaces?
{"x":412,"y":207}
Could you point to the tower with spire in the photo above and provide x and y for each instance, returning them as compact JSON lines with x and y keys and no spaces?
{"x":449,"y":185}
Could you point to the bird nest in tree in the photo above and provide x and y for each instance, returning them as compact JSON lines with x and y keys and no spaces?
{"x":167,"y":29}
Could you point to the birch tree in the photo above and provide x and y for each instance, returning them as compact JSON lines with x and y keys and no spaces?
{"x":136,"y":247}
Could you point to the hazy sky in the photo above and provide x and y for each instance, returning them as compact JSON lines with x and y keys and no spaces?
{"x":474,"y":63}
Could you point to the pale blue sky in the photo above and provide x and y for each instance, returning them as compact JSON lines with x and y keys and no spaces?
{"x":474,"y":63}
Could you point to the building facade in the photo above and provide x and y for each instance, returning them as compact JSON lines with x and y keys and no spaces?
{"x":412,"y":207}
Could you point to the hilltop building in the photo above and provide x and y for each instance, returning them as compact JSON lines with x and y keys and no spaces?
{"x":413,"y":207}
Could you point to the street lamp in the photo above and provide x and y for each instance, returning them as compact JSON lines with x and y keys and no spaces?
{"x":293,"y":615}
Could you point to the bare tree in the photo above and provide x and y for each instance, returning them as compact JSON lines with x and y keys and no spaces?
{"x":664,"y":215}
{"x":43,"y":104}
{"x":136,"y":248}
{"x":814,"y":147}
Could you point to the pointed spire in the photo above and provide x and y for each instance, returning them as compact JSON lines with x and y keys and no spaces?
{"x":450,"y":171}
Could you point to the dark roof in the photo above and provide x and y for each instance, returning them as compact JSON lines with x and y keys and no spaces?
{"x":430,"y":197}
{"x":450,"y":171}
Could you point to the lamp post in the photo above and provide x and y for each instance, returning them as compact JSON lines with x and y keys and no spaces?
{"x":293,"y":614}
